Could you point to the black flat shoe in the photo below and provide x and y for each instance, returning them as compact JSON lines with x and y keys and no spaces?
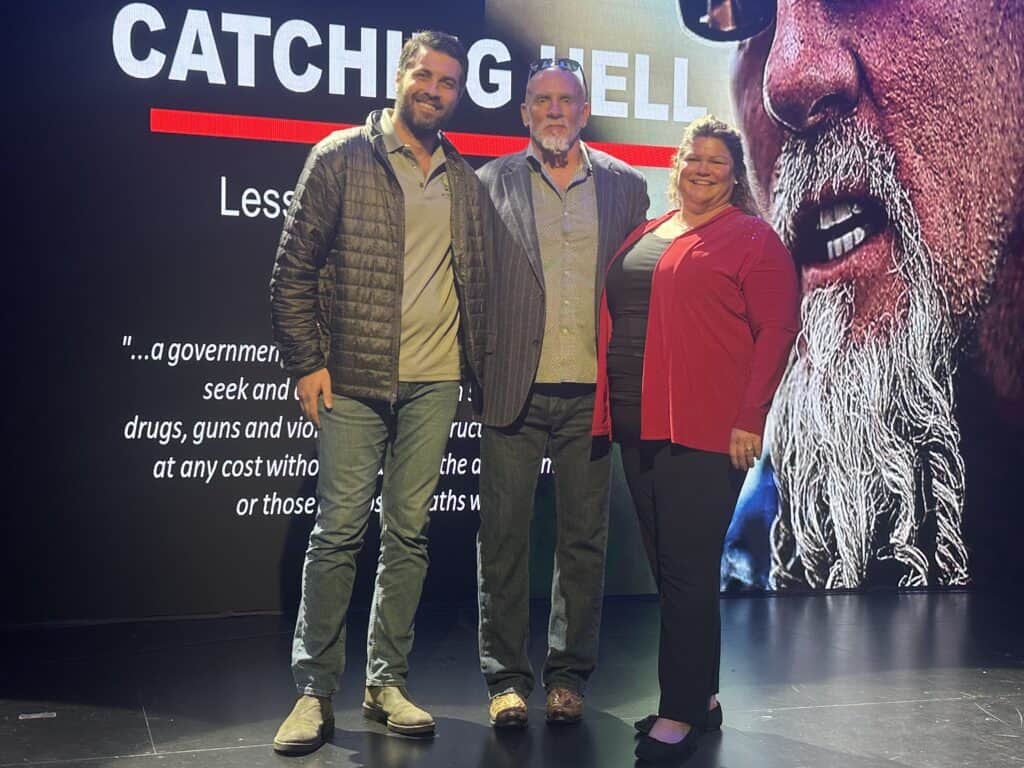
{"x":656,"y":751}
{"x":714,"y":722}
{"x":645,"y":724}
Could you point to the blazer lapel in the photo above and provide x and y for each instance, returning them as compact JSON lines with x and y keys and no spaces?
{"x":605,"y":188}
{"x":519,"y":202}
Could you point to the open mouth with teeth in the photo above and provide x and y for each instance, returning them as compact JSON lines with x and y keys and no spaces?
{"x":834,"y":229}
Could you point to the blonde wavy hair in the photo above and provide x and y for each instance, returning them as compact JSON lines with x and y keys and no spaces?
{"x":710,"y":127}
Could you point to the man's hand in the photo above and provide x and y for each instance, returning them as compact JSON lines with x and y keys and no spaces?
{"x":744,"y":448}
{"x":310,"y":388}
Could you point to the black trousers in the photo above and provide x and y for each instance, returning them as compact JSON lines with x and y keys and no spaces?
{"x":684,"y":501}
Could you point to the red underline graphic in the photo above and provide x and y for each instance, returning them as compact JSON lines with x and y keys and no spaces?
{"x":311,"y":131}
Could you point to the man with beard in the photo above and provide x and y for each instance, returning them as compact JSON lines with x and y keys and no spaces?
{"x":887,"y":140}
{"x":378,"y":297}
{"x":568,"y":208}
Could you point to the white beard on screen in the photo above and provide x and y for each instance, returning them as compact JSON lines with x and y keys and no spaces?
{"x":863,"y":436}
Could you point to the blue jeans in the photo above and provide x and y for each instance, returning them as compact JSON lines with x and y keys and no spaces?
{"x":559,"y":420}
{"x":356,"y":437}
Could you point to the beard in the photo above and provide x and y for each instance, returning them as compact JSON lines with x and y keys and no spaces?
{"x":556,"y":145}
{"x":422,"y":127}
{"x":863,"y":436}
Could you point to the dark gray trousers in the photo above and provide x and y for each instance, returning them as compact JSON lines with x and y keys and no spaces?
{"x":557,"y":418}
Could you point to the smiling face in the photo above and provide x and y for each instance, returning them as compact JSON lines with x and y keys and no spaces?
{"x":555,"y":110}
{"x":936,"y":86}
{"x":706,"y":175}
{"x":427,"y":91}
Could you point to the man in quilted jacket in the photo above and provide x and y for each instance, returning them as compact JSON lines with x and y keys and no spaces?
{"x":377,"y":299}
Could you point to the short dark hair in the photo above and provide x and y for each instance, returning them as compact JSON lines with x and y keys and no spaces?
{"x":434,"y":40}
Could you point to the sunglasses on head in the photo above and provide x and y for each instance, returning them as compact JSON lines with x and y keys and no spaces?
{"x":726,"y":20}
{"x":569,"y":65}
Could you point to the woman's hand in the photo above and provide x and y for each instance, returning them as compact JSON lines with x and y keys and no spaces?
{"x":744,"y":448}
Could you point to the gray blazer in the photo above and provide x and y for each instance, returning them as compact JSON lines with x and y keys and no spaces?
{"x":516,"y":297}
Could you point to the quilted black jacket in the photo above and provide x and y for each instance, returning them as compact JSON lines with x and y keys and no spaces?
{"x":336,"y":289}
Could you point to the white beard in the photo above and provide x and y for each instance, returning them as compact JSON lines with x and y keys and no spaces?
{"x":556,"y":145}
{"x":862,"y":434}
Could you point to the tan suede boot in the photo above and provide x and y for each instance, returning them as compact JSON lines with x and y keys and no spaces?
{"x":390,"y":704}
{"x":309,"y":725}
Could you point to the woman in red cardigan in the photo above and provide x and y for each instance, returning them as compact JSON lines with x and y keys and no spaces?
{"x":699,"y":312}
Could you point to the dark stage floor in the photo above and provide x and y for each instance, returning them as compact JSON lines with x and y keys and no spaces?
{"x":852,"y":681}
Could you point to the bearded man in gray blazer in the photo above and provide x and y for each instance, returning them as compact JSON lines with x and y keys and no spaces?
{"x":567,"y":208}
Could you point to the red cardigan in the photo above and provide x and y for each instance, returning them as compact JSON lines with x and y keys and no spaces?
{"x":723,"y":315}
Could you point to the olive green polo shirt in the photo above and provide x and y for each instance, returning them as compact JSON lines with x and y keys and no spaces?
{"x":429,"y":349}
